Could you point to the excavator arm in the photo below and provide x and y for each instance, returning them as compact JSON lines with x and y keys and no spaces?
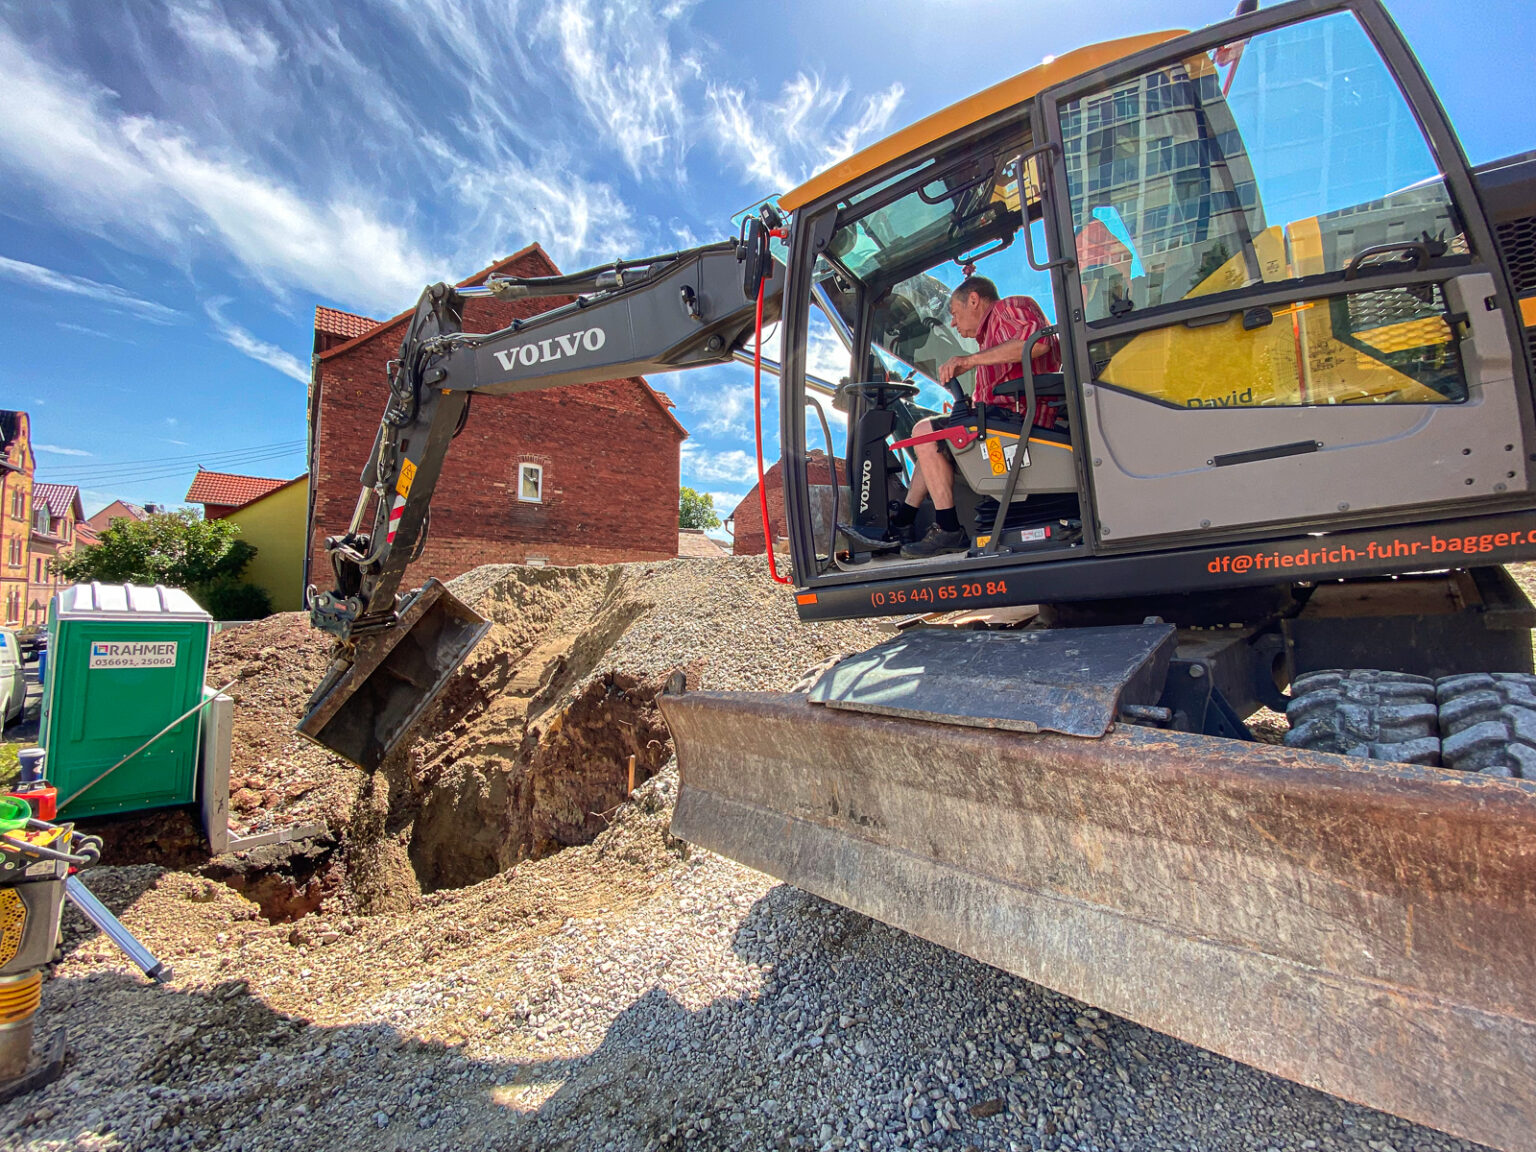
{"x":394,"y":653}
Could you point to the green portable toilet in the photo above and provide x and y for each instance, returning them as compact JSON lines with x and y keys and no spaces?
{"x":123,"y":662}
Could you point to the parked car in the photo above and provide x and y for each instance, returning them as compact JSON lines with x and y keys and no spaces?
{"x":13,"y":682}
{"x":34,"y":639}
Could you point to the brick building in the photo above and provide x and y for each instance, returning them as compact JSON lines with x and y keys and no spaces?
{"x":575,"y":475}
{"x":58,"y":528}
{"x":747,"y":520}
{"x":17,"y":464}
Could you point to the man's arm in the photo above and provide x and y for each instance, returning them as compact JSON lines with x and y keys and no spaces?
{"x":1008,"y":352}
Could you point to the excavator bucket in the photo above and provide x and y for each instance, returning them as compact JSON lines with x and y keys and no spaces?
{"x":1359,"y":927}
{"x":366,"y":710}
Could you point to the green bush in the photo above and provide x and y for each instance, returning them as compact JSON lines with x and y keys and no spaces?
{"x":229,"y":598}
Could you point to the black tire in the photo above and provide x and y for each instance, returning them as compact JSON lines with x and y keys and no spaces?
{"x":1488,"y":723}
{"x":1362,"y":712}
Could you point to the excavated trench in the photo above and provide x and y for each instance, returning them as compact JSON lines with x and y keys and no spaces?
{"x":532,"y":746}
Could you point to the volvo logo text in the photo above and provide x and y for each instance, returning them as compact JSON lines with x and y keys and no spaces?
{"x":864,"y":489}
{"x":553,"y":348}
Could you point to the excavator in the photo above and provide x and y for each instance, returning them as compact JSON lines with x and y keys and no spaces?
{"x":1290,"y":449}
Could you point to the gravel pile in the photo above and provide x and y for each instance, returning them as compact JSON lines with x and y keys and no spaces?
{"x":629,"y":993}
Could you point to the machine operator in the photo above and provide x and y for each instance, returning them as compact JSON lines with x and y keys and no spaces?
{"x":1001,"y":327}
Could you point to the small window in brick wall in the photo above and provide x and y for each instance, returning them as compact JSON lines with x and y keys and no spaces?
{"x":530,"y":483}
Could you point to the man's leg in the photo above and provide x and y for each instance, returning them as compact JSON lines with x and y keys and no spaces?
{"x":935,"y":477}
{"x":936,"y":472}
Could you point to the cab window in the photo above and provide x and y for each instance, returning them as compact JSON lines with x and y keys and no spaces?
{"x":1271,"y":159}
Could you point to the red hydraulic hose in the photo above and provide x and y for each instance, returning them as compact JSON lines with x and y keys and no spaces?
{"x":757,"y":414}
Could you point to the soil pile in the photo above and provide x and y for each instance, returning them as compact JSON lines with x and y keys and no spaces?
{"x":535,"y":742}
{"x":277,"y":777}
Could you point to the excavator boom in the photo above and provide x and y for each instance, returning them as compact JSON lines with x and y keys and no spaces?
{"x":394,"y":654}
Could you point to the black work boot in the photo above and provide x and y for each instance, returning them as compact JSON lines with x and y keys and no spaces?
{"x":937,"y":543}
{"x":865,"y":540}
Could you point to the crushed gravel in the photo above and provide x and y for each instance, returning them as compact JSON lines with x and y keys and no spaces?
{"x":630,"y":993}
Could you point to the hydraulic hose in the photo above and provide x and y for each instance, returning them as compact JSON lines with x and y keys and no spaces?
{"x":757,"y":416}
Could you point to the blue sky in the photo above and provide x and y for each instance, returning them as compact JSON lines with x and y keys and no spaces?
{"x":186,"y":179}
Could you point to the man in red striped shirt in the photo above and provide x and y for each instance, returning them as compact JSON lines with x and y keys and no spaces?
{"x":1002,"y":327}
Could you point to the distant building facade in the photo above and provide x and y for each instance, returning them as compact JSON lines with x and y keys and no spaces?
{"x":747,"y":520}
{"x":118,"y":510}
{"x":58,"y":528}
{"x":272,"y":517}
{"x":17,"y":466}
{"x":275,"y":525}
{"x":582,"y":474}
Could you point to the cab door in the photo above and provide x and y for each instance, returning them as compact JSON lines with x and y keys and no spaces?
{"x":1285,"y":306}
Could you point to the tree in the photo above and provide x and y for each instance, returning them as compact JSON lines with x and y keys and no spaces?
{"x":696,"y":509}
{"x":178,"y":549}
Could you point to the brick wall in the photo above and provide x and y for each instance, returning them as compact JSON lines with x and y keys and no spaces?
{"x":748,"y":517}
{"x":609,"y":453}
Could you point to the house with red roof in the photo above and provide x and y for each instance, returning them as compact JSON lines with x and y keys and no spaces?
{"x":117,"y":510}
{"x":272,"y":516}
{"x":220,"y":493}
{"x":57,"y":517}
{"x":575,"y":475}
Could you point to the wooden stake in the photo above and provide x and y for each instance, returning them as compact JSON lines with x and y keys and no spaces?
{"x":631,"y":774}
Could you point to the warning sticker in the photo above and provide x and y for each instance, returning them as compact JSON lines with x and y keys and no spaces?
{"x":407,"y":478}
{"x":136,"y":654}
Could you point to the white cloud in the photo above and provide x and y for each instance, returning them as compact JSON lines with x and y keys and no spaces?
{"x":778,"y":144}
{"x":619,"y":65}
{"x":36,"y":276}
{"x":725,"y":502}
{"x":57,"y":451}
{"x":731,"y":465}
{"x":204,"y":28}
{"x":242,"y":341}
{"x":726,"y":411}
{"x":826,"y":356}
{"x":118,"y":174}
{"x":68,"y":327}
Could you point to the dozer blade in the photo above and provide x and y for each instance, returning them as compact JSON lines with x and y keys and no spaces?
{"x":396,"y":672}
{"x":1362,"y":928}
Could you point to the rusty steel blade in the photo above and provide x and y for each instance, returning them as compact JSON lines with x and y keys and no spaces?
{"x":1366,"y":930}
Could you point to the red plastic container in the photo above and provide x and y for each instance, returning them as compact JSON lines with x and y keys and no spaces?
{"x":44,"y":801}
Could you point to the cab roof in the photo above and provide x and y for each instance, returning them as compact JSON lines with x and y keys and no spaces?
{"x":989,"y":101}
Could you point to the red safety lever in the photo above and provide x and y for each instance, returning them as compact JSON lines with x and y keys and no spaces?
{"x":958,"y":438}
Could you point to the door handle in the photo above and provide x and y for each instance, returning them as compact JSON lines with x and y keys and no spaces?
{"x":1418,"y":249}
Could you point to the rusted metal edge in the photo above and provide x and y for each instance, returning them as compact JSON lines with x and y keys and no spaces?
{"x":1361,"y":931}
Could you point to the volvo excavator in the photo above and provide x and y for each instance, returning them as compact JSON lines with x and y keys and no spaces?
{"x":1290,"y":450}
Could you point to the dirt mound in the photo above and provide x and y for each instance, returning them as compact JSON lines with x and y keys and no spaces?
{"x":534,"y":743}
{"x":276,"y":777}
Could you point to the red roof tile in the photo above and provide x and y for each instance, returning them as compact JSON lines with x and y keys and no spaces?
{"x":58,"y":498}
{"x":226,"y":488}
{"x":347,"y":325}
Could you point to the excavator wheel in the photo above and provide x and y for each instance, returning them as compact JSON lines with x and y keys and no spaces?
{"x":1363,"y":712}
{"x":1488,"y":723}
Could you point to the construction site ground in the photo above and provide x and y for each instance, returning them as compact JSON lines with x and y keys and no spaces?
{"x":494,"y":943}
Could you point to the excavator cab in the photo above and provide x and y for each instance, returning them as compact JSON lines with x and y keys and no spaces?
{"x":1267,"y":317}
